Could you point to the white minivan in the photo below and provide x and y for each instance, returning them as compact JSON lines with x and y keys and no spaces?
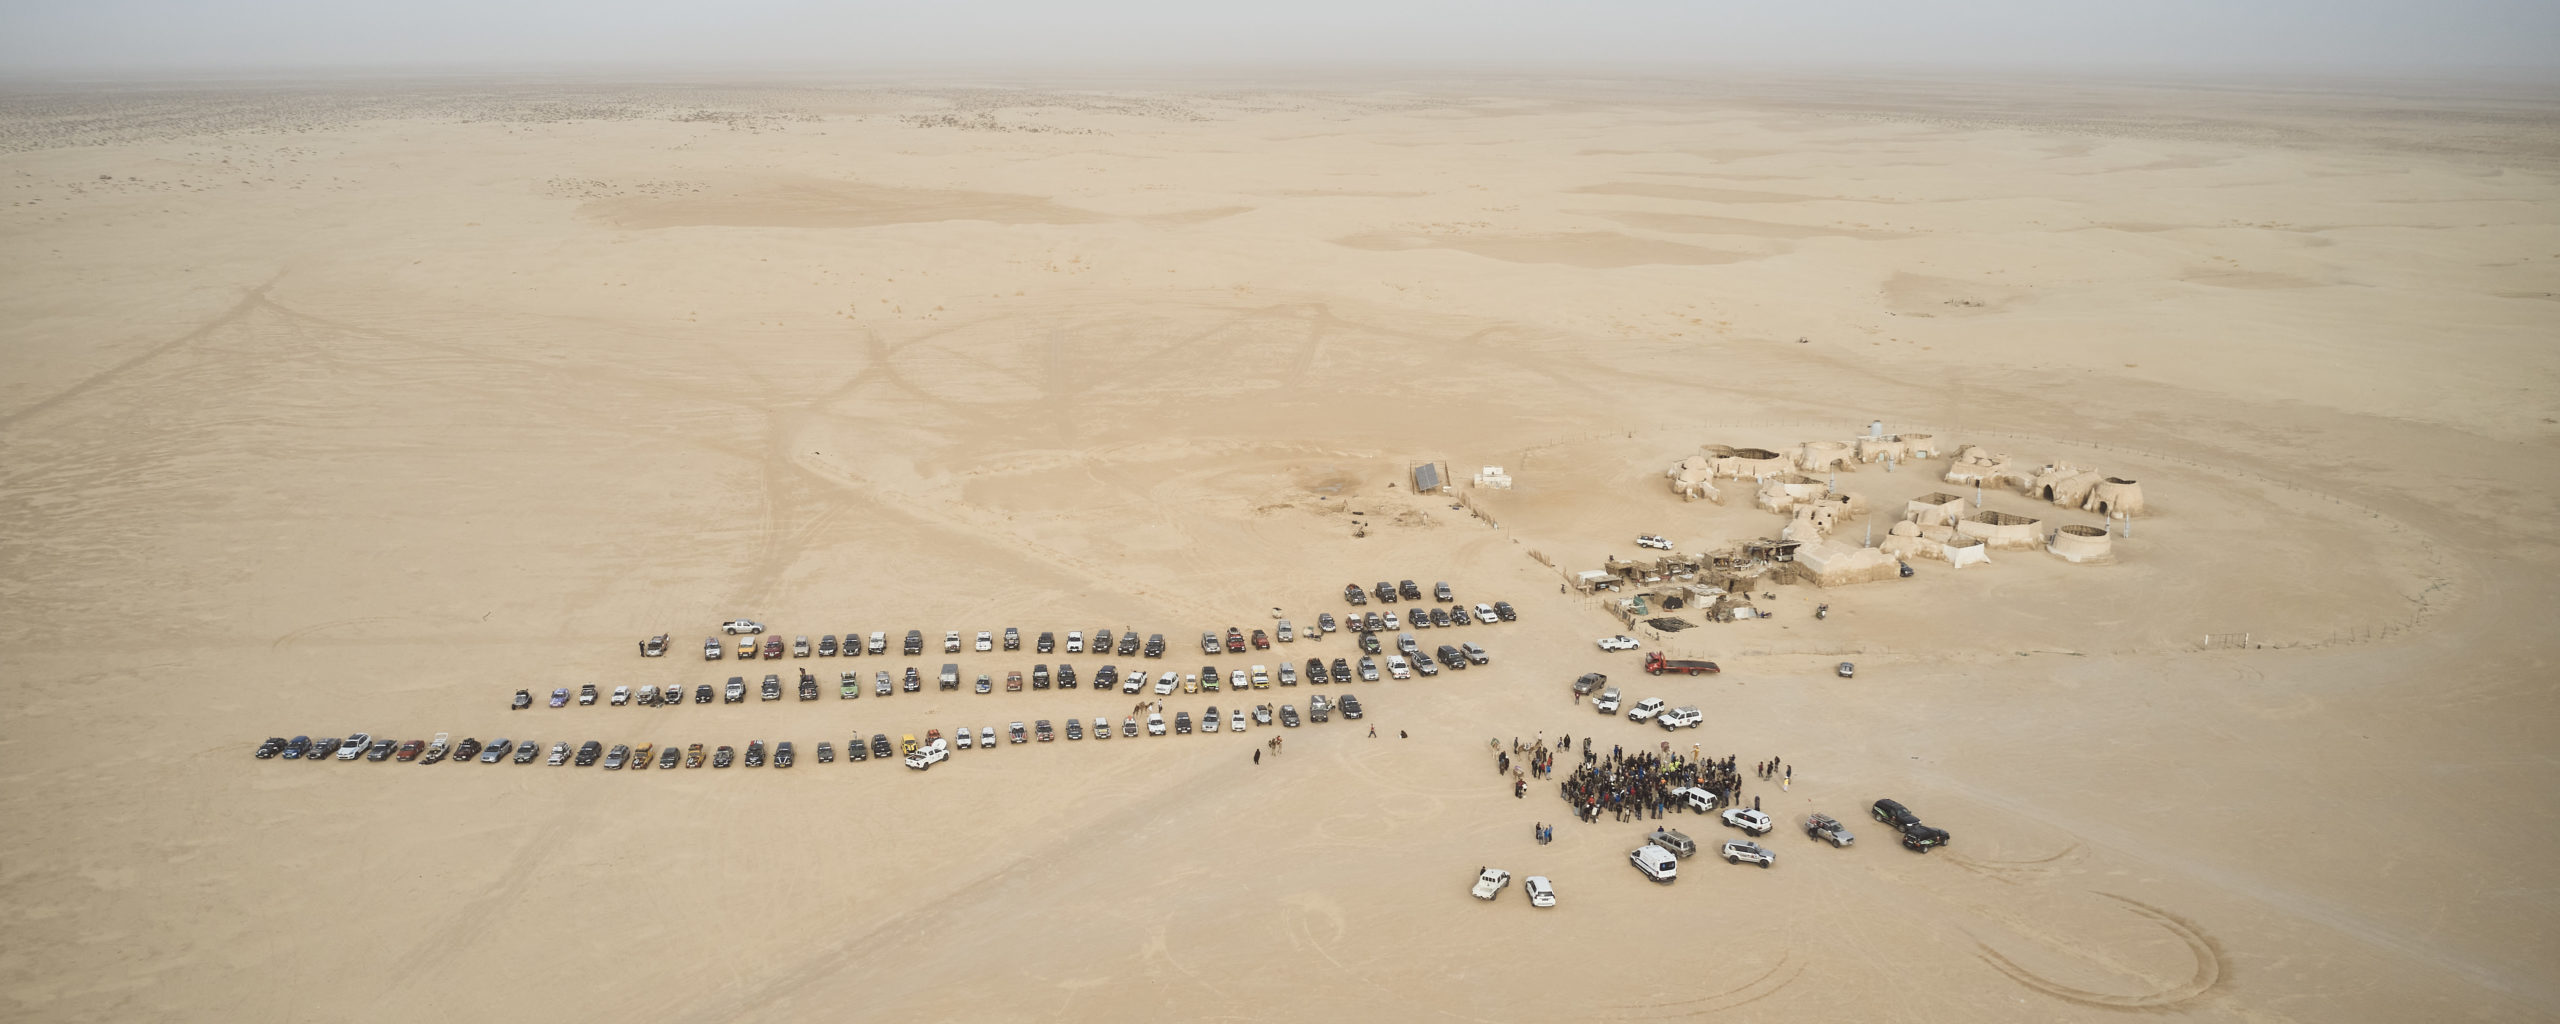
{"x":1655,"y":862}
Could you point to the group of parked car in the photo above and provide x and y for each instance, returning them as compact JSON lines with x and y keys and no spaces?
{"x":753,"y":641}
{"x":1408,"y":660}
{"x":364,"y":746}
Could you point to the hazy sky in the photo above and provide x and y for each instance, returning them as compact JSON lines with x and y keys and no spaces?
{"x":2382,"y":36}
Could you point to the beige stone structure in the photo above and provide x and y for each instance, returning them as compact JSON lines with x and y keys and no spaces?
{"x":1751,"y":463}
{"x":1835,"y":563}
{"x":2003,"y":530}
{"x":2115,"y":496}
{"x":1975,"y":465}
{"x":1826,"y":456}
{"x":2082,"y":544}
{"x":1934,"y":509}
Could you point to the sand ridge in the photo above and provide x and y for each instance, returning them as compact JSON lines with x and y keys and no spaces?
{"x":350,"y":407}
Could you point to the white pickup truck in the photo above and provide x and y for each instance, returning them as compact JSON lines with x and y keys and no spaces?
{"x":1490,"y":882}
{"x":928,"y":755}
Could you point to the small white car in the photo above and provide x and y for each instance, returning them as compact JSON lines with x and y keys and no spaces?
{"x":1155,"y":724}
{"x":1490,"y":882}
{"x":1235,"y":722}
{"x":621,"y":696}
{"x":1396,"y":667}
{"x":1541,"y":892}
{"x":1166,"y":684}
{"x":987,"y":736}
{"x":355,"y":746}
{"x":1237,"y":680}
{"x":1645,"y":710}
{"x":1391,"y":621}
{"x":1608,"y":702}
{"x":951,"y":642}
{"x":986,"y":640}
{"x":878,"y":644}
{"x":1075,"y":642}
{"x":1654,"y":541}
{"x":734,"y":627}
{"x":1135,"y":681}
{"x":963,"y":739}
{"x":1748,"y":820}
{"x":1743,"y":850}
{"x":1621,"y":642}
{"x":1484,"y":613}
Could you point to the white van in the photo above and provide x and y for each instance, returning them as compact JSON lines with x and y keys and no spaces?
{"x":1679,"y":718}
{"x":1655,"y":862}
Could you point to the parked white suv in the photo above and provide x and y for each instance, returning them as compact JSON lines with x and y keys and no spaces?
{"x":1396,"y":667}
{"x":986,"y":640}
{"x":1679,"y":718}
{"x":1645,"y":710}
{"x":1608,"y":702}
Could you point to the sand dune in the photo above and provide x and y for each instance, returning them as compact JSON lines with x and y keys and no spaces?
{"x":360,"y":407}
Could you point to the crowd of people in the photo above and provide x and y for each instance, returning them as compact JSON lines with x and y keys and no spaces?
{"x":1641,"y":784}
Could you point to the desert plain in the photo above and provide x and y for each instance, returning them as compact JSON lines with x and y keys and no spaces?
{"x":361,"y":405}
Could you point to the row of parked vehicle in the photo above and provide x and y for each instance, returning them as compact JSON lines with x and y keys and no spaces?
{"x":1041,"y":677}
{"x":364,"y":746}
{"x":1103,"y":641}
{"x":753,"y":642}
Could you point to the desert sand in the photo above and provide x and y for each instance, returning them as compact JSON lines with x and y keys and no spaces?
{"x":335,"y":407}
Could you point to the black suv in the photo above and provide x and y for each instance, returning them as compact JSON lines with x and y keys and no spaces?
{"x":1066,"y":676}
{"x":1408,"y":591}
{"x":1450,"y":657}
{"x":1341,"y":671}
{"x":854,"y":750}
{"x":1386,"y":592}
{"x":1128,"y":645}
{"x":1040,"y":677}
{"x":1893,"y":814}
{"x":880,"y":745}
{"x":782,"y":755}
{"x":1352,"y":593}
{"x":1350,"y":706}
{"x":1315,"y":672}
{"x":915,"y":641}
{"x":588,"y":752}
{"x":1440,"y":591}
{"x":1503,"y":609}
{"x":755,"y":754}
{"x":1155,"y":645}
{"x":1048,"y":642}
{"x":827,"y":646}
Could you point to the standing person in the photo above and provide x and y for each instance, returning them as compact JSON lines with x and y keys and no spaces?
{"x":1257,"y":756}
{"x":1373,"y":732}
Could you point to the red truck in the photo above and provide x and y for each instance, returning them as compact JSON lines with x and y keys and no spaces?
{"x":1656,"y":664}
